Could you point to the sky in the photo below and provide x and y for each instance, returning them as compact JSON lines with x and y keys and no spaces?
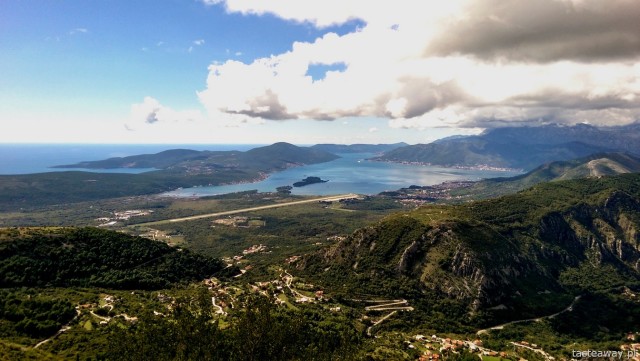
{"x":308,"y":72}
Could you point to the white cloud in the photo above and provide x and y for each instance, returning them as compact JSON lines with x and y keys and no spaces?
{"x":78,"y":31}
{"x":373,"y":130}
{"x":198,"y":42}
{"x":458,"y":63}
{"x":151,"y":113}
{"x":319,"y":13}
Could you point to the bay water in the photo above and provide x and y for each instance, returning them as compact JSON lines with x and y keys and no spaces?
{"x":352,"y":173}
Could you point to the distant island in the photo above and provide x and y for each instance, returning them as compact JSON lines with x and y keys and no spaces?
{"x":309,"y":180}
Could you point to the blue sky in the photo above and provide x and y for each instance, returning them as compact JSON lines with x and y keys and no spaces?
{"x":213,"y":71}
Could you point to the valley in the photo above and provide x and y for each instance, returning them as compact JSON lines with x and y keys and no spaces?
{"x":534,"y":266}
{"x":320,"y":180}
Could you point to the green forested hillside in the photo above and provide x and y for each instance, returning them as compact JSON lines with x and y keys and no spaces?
{"x":261,"y":331}
{"x":85,"y":257}
{"x":517,"y":256}
{"x":58,"y":290}
{"x":159,"y":160}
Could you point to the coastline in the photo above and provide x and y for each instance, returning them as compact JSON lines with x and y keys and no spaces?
{"x":479,"y":167}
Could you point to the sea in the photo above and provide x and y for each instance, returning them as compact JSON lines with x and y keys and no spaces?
{"x":351,"y":173}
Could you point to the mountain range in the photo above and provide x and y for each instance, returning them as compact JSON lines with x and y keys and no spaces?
{"x":517,"y":256}
{"x":521,"y":147}
{"x":358,"y":148}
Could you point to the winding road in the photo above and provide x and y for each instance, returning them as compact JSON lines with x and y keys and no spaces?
{"x":537,"y":319}
{"x":393,"y":305}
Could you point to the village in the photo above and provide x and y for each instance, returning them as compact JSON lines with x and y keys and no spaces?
{"x":418,"y":195}
{"x":437,"y":348}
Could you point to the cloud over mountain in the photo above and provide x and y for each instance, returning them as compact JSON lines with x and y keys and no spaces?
{"x":441,"y":64}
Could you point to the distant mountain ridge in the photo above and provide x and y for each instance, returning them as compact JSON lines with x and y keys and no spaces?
{"x":521,"y":147}
{"x":358,"y":148}
{"x":275,"y":155}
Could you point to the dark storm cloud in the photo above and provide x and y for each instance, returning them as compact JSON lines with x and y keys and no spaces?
{"x":544,"y":30}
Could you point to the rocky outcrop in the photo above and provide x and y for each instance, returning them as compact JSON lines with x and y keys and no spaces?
{"x":477,"y":258}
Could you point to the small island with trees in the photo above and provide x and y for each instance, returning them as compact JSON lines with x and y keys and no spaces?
{"x":309,"y":180}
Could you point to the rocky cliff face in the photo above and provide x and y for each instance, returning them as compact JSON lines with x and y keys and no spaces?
{"x":471,"y":254}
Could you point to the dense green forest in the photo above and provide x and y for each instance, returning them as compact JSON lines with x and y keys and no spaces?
{"x":36,"y":316}
{"x":260,"y":331}
{"x":95,"y":257}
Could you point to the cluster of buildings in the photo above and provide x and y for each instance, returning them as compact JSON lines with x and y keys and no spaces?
{"x":122,"y":216}
{"x":292,"y":259}
{"x":428,"y":194}
{"x":438,"y":348}
{"x":255,"y":249}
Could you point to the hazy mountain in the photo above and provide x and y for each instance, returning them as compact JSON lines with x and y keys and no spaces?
{"x":521,"y":147}
{"x":358,"y":148}
{"x":517,"y":256}
{"x":452,"y":137}
{"x":624,"y":138}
